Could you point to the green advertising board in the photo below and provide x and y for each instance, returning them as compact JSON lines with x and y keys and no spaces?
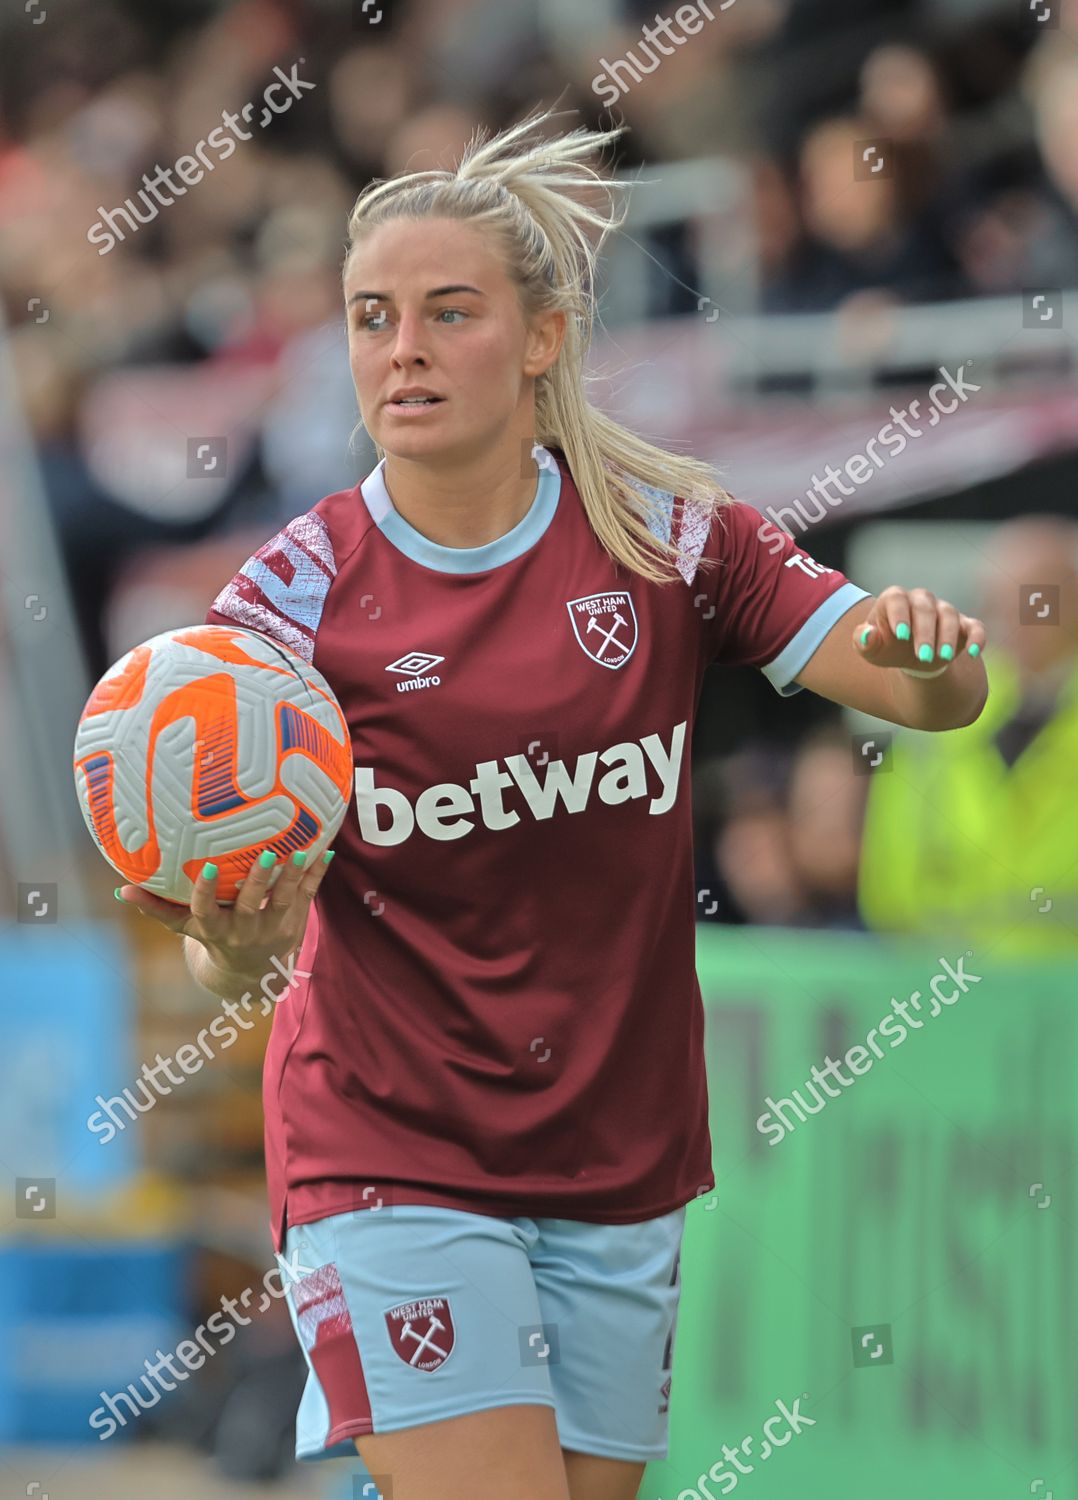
{"x":884,"y":1284}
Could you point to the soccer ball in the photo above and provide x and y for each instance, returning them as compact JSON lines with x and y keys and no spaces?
{"x":210,"y":743}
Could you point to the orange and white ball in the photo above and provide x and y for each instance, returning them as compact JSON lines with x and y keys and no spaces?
{"x":210,"y":743}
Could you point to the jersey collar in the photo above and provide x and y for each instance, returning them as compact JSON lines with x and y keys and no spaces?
{"x":503,"y":549}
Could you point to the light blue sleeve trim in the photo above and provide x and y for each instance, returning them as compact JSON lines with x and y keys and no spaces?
{"x":792,"y":658}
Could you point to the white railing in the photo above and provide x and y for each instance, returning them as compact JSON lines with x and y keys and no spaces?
{"x":43,"y":677}
{"x":713,"y":197}
{"x":837,"y":353}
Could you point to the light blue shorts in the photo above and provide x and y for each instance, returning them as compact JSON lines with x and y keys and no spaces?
{"x":420,"y":1313}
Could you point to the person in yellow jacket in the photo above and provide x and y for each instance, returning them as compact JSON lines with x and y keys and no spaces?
{"x":975,"y":833}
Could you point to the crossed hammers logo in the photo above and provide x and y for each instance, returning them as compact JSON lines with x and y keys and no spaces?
{"x":426,"y":1340}
{"x":593,"y":624}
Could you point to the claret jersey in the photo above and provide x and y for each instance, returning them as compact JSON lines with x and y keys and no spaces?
{"x":495,"y":1006}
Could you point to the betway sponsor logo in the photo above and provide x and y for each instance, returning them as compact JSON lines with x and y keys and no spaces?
{"x":449,"y":810}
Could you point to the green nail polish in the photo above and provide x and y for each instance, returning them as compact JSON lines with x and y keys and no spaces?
{"x":902,"y":631}
{"x":209,"y":871}
{"x":925,"y":652}
{"x":300,"y":857}
{"x":117,"y":891}
{"x":946,"y":652}
{"x":267,"y":858}
{"x":865,"y":634}
{"x":974,"y":650}
{"x":328,"y":856}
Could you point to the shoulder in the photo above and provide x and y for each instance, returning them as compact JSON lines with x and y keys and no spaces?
{"x":282,"y":588}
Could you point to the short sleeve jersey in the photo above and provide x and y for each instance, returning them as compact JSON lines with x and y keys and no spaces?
{"x":495,"y":1006}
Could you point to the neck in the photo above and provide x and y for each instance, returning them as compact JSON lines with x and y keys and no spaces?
{"x":469,"y":502}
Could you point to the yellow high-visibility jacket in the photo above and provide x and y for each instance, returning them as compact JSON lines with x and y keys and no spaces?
{"x":956,"y":843}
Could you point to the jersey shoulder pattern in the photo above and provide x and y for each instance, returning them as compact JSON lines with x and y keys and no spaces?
{"x":281,"y":590}
{"x":681,"y":522}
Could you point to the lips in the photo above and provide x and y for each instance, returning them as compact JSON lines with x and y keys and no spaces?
{"x":405,"y":406}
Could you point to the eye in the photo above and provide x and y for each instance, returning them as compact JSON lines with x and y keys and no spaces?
{"x":366,"y":320}
{"x":456,"y":311}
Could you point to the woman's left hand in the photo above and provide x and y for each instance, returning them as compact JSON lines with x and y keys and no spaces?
{"x":911,"y":628}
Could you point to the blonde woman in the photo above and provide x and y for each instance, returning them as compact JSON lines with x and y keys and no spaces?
{"x":486,"y":1106}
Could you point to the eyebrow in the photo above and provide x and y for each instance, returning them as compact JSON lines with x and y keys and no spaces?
{"x":438,"y":291}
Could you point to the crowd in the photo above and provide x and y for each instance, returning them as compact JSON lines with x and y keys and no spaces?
{"x":968,"y":114}
{"x":973,"y":132}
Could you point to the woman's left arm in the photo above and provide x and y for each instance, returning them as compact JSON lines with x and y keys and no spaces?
{"x":892,"y":631}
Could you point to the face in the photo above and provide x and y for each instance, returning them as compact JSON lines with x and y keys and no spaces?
{"x":429,"y":305}
{"x":1026,"y":556}
{"x":1059,"y":133}
{"x":838,"y":208}
{"x":825,"y":820}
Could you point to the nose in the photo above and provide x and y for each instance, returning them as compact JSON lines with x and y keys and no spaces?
{"x":408,"y":346}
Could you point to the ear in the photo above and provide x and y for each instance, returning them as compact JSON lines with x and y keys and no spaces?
{"x":544,"y":341}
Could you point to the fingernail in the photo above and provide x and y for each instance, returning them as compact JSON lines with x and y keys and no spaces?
{"x":300,"y":857}
{"x":328,"y":856}
{"x":946,"y":652}
{"x":209,"y":871}
{"x":267,"y":858}
{"x":865,"y":634}
{"x":117,"y":894}
{"x":902,"y":631}
{"x":974,"y":650}
{"x":925,"y":652}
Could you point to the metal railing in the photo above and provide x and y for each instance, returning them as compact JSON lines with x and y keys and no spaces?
{"x":712,"y":197}
{"x":839,"y":353}
{"x":43,"y":677}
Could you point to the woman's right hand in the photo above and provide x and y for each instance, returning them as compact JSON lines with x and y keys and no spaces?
{"x":262,"y":924}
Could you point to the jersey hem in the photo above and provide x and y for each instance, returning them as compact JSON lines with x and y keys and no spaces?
{"x":502,"y":1208}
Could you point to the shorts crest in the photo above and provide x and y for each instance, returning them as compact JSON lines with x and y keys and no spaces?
{"x":421,"y":1331}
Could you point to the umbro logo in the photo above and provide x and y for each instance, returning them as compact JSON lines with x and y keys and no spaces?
{"x":415,"y":665}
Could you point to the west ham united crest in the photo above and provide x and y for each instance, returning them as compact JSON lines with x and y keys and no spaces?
{"x":422,"y":1332}
{"x":605,"y":626}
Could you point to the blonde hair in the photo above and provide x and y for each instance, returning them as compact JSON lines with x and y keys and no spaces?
{"x":529,"y":193}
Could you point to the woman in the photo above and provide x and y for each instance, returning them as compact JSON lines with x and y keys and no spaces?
{"x":485,"y":1098}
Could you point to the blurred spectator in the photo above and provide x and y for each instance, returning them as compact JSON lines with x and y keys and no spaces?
{"x":749,"y":847}
{"x":973,"y":833}
{"x":1053,"y":259}
{"x":371,"y":90}
{"x":434,"y":136}
{"x":902,"y":101}
{"x":783,"y":833}
{"x":825,"y":809}
{"x":859,"y":235}
{"x":1017,"y":222}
